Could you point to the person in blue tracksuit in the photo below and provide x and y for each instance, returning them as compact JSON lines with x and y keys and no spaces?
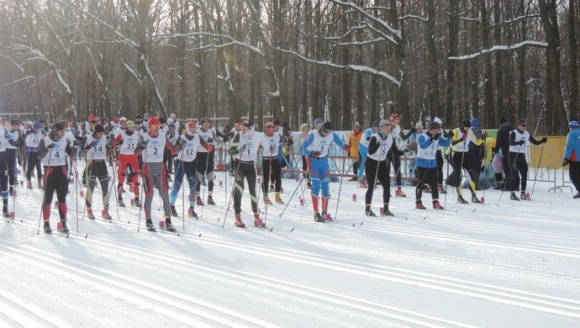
{"x":316,"y":149}
{"x":185,"y":164}
{"x":427,"y":144}
{"x":572,"y":156}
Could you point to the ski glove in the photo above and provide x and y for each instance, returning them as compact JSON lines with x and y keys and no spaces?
{"x":51,"y":146}
{"x":345,"y":147}
{"x":565,"y":162}
{"x":544,"y":139}
{"x":12,"y":142}
{"x":436,"y":136}
{"x":522,"y":142}
{"x":464,"y":137}
{"x":315,"y":153}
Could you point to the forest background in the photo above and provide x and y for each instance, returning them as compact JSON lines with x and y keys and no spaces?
{"x":345,"y":61}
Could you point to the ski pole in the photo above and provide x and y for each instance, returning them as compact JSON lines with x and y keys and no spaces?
{"x":232,"y":193}
{"x":288,"y":203}
{"x":45,"y":179}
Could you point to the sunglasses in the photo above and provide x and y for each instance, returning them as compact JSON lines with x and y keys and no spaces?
{"x":524,"y":124}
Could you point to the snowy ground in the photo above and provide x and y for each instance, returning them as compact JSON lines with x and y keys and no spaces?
{"x":502,"y":264}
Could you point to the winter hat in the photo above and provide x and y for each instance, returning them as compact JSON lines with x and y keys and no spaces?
{"x":162,"y":120}
{"x":327,"y":126}
{"x":502,"y":120}
{"x":573,"y":124}
{"x":190,"y":128}
{"x":418,"y":125}
{"x":154,"y":121}
{"x":247,"y":124}
{"x":171,"y":125}
{"x":130,"y":124}
{"x":384,"y":123}
{"x":394,"y":116}
{"x":37,"y":126}
{"x":434,"y":126}
{"x":276,"y":122}
{"x":204,"y":120}
{"x":357,"y":124}
{"x":270,"y":125}
{"x":438,"y":120}
{"x":522,"y":122}
{"x":58,"y":126}
{"x":318,"y":122}
{"x":98,"y":128}
{"x":376,"y":123}
{"x":304,"y":126}
{"x":123,"y":118}
{"x":466,"y":123}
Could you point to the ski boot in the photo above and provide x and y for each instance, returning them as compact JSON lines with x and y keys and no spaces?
{"x":267,"y":200}
{"x":326,"y":216}
{"x":29,"y":184}
{"x":64,"y":228}
{"x":461,"y":200}
{"x":523,"y":196}
{"x":387,"y":212}
{"x":513,"y":196}
{"x":258,"y":222}
{"x":576,"y":196}
{"x":40,"y":185}
{"x":137,"y":202}
{"x":90,"y":214}
{"x":475,"y":200}
{"x":318,"y":217}
{"x":437,"y":205}
{"x":362,"y":184}
{"x":105,"y":214}
{"x":174,"y":211}
{"x":369,"y":212}
{"x":419,"y":205}
{"x":198,"y":201}
{"x":399,"y":193}
{"x":309,"y":184}
{"x":150,"y":226}
{"x":210,"y":200}
{"x":191,"y":213}
{"x":169,"y":226}
{"x":47,"y":228}
{"x":5,"y":212}
{"x":239,"y":223}
{"x":278,"y":199}
{"x":121,"y":202}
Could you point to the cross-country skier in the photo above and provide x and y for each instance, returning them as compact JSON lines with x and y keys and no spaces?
{"x":95,"y":146}
{"x":53,"y":150}
{"x":127,"y":141}
{"x":316,"y":147}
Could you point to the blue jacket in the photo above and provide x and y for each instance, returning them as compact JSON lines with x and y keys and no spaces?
{"x":573,"y":145}
{"x":427,"y":150}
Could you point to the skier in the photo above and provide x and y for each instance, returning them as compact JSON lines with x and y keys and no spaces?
{"x":462,"y":136}
{"x":428,"y":145}
{"x":316,"y":147}
{"x":244,"y":148}
{"x":33,"y":137}
{"x":152,"y":145}
{"x":95,"y":146}
{"x":572,"y":155}
{"x":185,"y":163}
{"x":205,"y":158}
{"x":14,"y":138}
{"x":517,"y":158}
{"x":363,"y":149}
{"x":395,"y":157}
{"x":377,"y":166}
{"x":53,"y":150}
{"x":126,"y":141}
{"x":270,"y":163}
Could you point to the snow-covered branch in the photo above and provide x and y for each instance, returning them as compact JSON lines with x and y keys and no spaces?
{"x":370,"y":17}
{"x":347,"y":33}
{"x":414,"y":17}
{"x":26,"y":78}
{"x":501,"y":48}
{"x":516,"y":19}
{"x":358,"y":68}
{"x":359,"y":43}
{"x":213,"y":35}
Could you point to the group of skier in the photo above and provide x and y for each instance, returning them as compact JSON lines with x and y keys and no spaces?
{"x":144,"y":152}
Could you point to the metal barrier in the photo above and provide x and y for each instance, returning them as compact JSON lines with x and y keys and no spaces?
{"x":548,"y":167}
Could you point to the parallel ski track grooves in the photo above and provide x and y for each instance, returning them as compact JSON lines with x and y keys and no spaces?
{"x":509,"y":296}
{"x":24,"y":314}
{"x":157,"y":294}
{"x":267,"y":283}
{"x":537,"y":248}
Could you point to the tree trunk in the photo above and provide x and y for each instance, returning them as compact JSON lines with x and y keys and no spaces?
{"x":451,"y":65}
{"x":573,"y":60}
{"x":549,"y":17}
{"x":433,"y":94}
